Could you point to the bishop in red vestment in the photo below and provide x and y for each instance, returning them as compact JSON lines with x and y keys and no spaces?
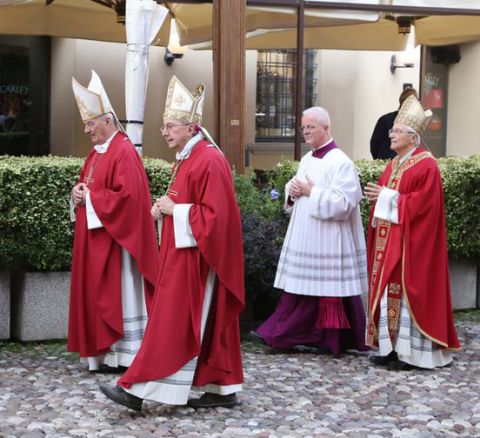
{"x":410,"y":312}
{"x":115,"y":253}
{"x":192,"y":337}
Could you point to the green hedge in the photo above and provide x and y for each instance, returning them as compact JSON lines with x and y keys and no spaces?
{"x":461,"y":183}
{"x":35,"y":228}
{"x":36,"y":234}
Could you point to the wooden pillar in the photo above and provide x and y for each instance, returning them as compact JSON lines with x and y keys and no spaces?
{"x":297,"y":153}
{"x":229,"y":79}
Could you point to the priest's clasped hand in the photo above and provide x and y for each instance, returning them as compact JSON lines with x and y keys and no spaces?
{"x":163,"y":205}
{"x":299,"y":188}
{"x":156,"y":213}
{"x":79,"y":192}
{"x":372,"y":191}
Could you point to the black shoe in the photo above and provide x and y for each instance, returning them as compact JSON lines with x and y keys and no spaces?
{"x":383,"y":360}
{"x":209,"y":400}
{"x":398,"y":365}
{"x":105,"y":369}
{"x":312,"y":349}
{"x":122,"y":397}
{"x":256,"y":338}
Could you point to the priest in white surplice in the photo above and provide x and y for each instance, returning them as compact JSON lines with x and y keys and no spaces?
{"x":322,"y":268}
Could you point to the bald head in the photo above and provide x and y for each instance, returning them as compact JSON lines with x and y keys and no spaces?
{"x":316,"y":126}
{"x":318,"y":113}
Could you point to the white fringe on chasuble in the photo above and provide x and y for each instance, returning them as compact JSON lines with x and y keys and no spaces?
{"x":410,"y":345}
{"x":324,"y":250}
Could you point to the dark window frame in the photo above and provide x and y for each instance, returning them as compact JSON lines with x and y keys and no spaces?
{"x":275,"y":107}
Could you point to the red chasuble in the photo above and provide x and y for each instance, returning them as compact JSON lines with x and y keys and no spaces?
{"x":120,"y":195}
{"x":172,"y":337}
{"x":411,"y":257}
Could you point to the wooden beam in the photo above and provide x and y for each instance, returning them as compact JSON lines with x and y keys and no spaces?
{"x":346,"y":6}
{"x":386,"y":8}
{"x":299,"y":81}
{"x":229,"y":79}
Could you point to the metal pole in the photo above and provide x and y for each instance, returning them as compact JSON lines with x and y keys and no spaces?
{"x":299,"y":80}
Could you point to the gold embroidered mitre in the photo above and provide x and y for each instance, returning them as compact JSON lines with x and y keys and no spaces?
{"x":92,"y":101}
{"x":412,"y":114}
{"x":182,"y":105}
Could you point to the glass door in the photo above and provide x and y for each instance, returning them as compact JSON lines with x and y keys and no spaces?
{"x":24,"y":95}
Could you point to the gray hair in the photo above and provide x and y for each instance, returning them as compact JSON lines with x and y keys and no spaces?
{"x":418,"y":138}
{"x":321,"y":114}
{"x":110,"y":116}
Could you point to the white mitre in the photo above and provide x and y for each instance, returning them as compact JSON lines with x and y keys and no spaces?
{"x":93,"y":101}
{"x":412,"y":114}
{"x":182,"y":105}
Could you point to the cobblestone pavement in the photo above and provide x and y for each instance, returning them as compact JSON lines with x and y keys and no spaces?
{"x":47,"y":393}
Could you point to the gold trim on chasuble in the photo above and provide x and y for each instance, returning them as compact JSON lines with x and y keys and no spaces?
{"x":170,"y":191}
{"x":394,"y":301}
{"x":423,"y":332}
{"x":382,"y":232}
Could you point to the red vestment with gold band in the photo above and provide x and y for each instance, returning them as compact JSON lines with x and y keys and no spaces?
{"x":411,"y":257}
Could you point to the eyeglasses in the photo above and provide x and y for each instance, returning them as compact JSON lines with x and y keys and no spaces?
{"x":169,"y":126}
{"x":307,"y":128}
{"x":399,"y":131}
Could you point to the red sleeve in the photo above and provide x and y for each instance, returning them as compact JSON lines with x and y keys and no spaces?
{"x":419,"y":243}
{"x":124,"y":210}
{"x":424,"y":196}
{"x":216,"y":225}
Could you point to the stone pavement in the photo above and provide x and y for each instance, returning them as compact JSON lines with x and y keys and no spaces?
{"x":45,"y":393}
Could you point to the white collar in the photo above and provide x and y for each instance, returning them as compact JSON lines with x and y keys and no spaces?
{"x":102,"y":148}
{"x":185,"y":152}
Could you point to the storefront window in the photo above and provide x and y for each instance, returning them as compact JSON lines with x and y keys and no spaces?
{"x":24,"y":95}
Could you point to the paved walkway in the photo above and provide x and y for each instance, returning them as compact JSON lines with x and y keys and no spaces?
{"x":46,"y":393}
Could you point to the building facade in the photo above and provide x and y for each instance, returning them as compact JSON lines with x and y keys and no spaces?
{"x":39,"y":115}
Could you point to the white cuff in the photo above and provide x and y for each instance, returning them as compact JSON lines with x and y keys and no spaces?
{"x":93,"y":221}
{"x":314,"y":202}
{"x":386,"y":207}
{"x":181,"y":226}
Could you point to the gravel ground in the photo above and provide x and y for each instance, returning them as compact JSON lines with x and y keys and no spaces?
{"x":45,"y":392}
